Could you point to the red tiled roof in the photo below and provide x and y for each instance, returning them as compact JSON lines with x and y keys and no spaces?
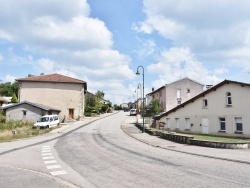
{"x":51,"y":78}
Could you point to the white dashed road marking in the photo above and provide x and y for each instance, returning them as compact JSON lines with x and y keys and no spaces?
{"x":53,"y":167}
{"x":56,"y":173}
{"x":46,"y":154}
{"x":50,"y":157}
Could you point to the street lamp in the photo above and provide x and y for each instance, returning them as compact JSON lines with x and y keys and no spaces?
{"x":138,"y":73}
{"x":139,"y":87}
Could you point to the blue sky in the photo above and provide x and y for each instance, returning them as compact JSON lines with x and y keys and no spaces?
{"x":104,"y":41}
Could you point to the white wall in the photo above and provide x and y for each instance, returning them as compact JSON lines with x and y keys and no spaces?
{"x":216,"y":108}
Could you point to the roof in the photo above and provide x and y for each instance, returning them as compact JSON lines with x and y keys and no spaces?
{"x":185,"y":79}
{"x":200,"y":95}
{"x":32,"y":104}
{"x":173,"y":83}
{"x":58,"y":78}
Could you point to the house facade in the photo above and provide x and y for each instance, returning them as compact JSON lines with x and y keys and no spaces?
{"x":55,"y":90}
{"x":27,"y":111}
{"x":221,"y":110}
{"x":175,"y":93}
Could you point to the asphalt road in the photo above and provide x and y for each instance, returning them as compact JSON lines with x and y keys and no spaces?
{"x":100,"y":154}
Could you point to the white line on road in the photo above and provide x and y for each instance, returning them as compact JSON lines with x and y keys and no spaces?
{"x":56,"y":173}
{"x":46,"y":154}
{"x":53,"y":166}
{"x":44,"y":151}
{"x":50,"y":157}
{"x":50,"y":162}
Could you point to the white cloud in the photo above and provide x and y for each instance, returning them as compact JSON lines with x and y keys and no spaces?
{"x":178,"y":63}
{"x":45,"y":65}
{"x":215,"y":31}
{"x":9,"y":78}
{"x":59,"y":36}
{"x":147,"y":48}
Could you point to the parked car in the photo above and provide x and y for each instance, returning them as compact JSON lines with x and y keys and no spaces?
{"x":133,"y":112}
{"x":47,"y":121}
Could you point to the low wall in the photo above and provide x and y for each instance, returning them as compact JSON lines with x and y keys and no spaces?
{"x":186,"y":139}
{"x":227,"y":145}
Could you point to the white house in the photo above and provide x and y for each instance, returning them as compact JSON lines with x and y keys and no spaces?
{"x":175,"y":93}
{"x":221,"y":110}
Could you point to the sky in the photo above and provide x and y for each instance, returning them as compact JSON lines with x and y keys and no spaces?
{"x":104,"y":41}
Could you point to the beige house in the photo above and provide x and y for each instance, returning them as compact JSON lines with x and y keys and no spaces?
{"x":175,"y":93}
{"x":220,"y":110}
{"x":55,"y":90}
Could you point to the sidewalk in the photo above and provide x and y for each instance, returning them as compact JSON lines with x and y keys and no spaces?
{"x":236,"y":155}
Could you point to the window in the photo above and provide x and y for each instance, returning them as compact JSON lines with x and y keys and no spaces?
{"x":168,"y":123}
{"x":178,"y":102}
{"x":222,"y":124}
{"x":205,"y":103}
{"x":229,"y":99}
{"x":238,"y":124}
{"x":188,"y":90}
{"x":24,"y":112}
{"x":178,"y":93}
{"x":177,"y":123}
{"x":187,"y":123}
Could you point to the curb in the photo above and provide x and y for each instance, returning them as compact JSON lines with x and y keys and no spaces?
{"x":175,"y":150}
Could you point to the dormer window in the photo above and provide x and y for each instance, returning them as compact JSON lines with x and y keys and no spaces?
{"x":229,"y":99}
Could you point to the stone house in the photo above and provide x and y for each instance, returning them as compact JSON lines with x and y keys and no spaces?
{"x":27,"y":111}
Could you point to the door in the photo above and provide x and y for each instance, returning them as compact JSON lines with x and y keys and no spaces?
{"x":187,"y":123}
{"x":71,"y":113}
{"x":205,"y":126}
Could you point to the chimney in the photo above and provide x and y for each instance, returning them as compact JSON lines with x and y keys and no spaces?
{"x":153,"y":88}
{"x":208,"y":86}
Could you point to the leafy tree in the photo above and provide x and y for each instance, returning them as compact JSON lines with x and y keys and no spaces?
{"x":14,"y":99}
{"x":100,"y":94}
{"x":154,"y":107}
{"x":117,"y":107}
{"x":8,"y":89}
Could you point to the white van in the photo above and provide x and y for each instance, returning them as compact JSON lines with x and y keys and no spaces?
{"x":47,"y":121}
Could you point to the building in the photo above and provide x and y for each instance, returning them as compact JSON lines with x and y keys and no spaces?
{"x":27,"y":111}
{"x":175,"y":93}
{"x":221,"y":110}
{"x":55,"y":90}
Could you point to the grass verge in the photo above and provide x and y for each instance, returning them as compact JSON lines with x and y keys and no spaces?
{"x":17,"y":130}
{"x":218,"y":138}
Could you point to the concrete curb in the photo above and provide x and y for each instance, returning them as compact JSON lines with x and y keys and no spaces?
{"x":190,"y":153}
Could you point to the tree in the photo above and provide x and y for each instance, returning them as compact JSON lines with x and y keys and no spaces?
{"x":155,"y":107}
{"x":100,"y":94}
{"x":14,"y":99}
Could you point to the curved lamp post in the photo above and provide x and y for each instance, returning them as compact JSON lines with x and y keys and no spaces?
{"x":138,"y":73}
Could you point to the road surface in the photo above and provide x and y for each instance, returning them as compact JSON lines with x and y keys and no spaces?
{"x":100,"y":154}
